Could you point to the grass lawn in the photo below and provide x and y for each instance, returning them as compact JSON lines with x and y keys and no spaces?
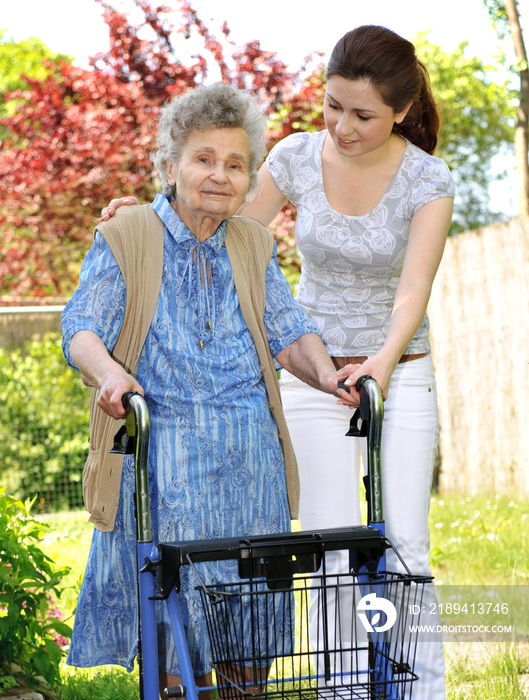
{"x":474,"y":541}
{"x":482,"y":541}
{"x":479,"y":541}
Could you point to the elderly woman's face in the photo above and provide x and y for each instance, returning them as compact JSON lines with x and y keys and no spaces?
{"x":212,"y":175}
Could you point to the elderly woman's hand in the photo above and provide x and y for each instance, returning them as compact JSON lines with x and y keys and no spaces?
{"x":114,"y":204}
{"x":307,"y":359}
{"x":349,"y":398}
{"x":379,"y":367}
{"x":99,"y":370}
{"x":112,"y":390}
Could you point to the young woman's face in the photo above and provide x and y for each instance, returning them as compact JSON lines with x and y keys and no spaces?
{"x":357,"y":120}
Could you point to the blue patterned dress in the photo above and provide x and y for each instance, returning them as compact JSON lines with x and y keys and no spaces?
{"x":216,"y":463}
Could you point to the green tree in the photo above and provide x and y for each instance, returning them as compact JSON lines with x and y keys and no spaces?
{"x":19,"y":59}
{"x":43,"y":425}
{"x":505,"y":17}
{"x":477,"y":124}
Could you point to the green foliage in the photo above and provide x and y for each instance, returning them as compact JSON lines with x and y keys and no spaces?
{"x":104,"y":683}
{"x":30,"y":652}
{"x":498,"y":15}
{"x":24,"y":58}
{"x":29,"y":57}
{"x":477,"y":124}
{"x":502,"y":25}
{"x":44,"y":424}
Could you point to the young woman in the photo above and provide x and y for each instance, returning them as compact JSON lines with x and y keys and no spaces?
{"x":373,"y":212}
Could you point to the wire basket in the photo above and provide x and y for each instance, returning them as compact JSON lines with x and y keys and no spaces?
{"x":358,"y":642}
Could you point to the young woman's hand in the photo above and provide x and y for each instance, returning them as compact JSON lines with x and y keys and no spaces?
{"x":376,"y":367}
{"x":380,"y":367}
{"x":114,"y":204}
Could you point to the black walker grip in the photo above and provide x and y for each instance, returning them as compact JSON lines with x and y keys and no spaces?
{"x":359,"y":383}
{"x":125,"y":399}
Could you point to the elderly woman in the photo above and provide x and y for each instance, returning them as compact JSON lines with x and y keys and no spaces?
{"x":188,"y":307}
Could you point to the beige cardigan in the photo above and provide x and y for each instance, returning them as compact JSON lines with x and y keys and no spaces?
{"x":135,"y":237}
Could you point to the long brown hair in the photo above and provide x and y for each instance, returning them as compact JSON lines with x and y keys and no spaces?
{"x":390,"y":64}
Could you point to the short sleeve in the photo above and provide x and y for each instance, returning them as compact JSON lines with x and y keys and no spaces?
{"x":284,"y":320}
{"x":293,"y":164}
{"x":98,"y":304}
{"x":278,"y":163}
{"x":433,"y":181}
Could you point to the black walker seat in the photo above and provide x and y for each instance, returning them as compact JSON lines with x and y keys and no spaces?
{"x":276,"y":558}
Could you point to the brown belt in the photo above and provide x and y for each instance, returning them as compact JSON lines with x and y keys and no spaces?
{"x":340,"y":362}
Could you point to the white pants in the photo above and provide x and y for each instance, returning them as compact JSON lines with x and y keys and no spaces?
{"x":329,"y":464}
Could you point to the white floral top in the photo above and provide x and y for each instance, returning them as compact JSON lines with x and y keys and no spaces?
{"x":351,"y":265}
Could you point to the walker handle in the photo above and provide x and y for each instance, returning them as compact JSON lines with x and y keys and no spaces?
{"x":138,"y":426}
{"x":371,"y":412}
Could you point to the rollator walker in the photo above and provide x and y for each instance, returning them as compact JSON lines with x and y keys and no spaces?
{"x":373,"y":659}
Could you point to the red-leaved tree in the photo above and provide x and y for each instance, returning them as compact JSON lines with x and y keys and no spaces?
{"x":77,"y":138}
{"x":80,"y":137}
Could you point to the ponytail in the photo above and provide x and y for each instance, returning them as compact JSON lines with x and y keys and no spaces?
{"x":421,"y":124}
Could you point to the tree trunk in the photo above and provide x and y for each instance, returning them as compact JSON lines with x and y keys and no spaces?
{"x":521,"y":136}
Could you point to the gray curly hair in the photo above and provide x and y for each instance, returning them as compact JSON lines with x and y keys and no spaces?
{"x":208,"y":106}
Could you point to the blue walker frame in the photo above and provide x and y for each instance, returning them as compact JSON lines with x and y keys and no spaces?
{"x":369,"y":540}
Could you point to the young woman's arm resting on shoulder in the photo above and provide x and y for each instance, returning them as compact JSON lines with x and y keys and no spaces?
{"x":428,"y":232}
{"x":114,"y":204}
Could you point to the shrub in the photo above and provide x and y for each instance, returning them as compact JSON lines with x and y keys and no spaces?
{"x":30,"y":629}
{"x":44,"y":434}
